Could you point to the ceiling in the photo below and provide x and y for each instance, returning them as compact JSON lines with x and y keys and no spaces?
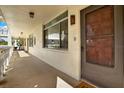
{"x":18,"y":20}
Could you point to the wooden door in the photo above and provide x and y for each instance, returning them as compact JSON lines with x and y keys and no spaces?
{"x":102,"y":45}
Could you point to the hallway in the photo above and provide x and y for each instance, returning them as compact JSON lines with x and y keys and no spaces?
{"x":29,"y":72}
{"x":80,"y":44}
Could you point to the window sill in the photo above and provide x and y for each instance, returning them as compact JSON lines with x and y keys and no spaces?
{"x":56,"y":49}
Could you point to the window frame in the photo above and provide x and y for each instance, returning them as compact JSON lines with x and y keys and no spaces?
{"x":46,"y":29}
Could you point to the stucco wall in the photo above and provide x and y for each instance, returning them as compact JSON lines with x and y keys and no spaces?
{"x":67,"y":61}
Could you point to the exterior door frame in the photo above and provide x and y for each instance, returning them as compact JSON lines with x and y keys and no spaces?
{"x":119,"y":52}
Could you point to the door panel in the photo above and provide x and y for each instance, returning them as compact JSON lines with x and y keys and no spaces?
{"x":102,"y":42}
{"x":99,"y":27}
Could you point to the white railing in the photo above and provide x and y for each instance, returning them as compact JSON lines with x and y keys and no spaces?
{"x":5,"y":54}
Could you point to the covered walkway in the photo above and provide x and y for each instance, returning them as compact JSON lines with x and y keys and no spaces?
{"x":75,"y":43}
{"x":32,"y":72}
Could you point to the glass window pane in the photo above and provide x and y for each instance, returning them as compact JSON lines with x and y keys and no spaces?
{"x":54,"y":37}
{"x":45,"y":38}
{"x":64,"y":34}
{"x":31,"y":40}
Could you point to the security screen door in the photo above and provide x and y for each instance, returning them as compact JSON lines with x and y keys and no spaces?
{"x":102,"y":45}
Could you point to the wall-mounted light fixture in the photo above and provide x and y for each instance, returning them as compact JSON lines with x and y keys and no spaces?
{"x":72,"y":19}
{"x":21,"y":33}
{"x":31,"y":14}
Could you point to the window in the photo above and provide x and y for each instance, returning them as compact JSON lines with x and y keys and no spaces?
{"x":34,"y":40}
{"x":31,"y":40}
{"x":53,"y":37}
{"x":56,"y":34}
{"x":64,"y":34}
{"x":58,"y":18}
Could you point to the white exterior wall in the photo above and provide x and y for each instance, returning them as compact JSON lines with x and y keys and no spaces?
{"x":68,"y":61}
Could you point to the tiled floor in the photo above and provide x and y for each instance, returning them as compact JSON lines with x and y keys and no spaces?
{"x":29,"y":72}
